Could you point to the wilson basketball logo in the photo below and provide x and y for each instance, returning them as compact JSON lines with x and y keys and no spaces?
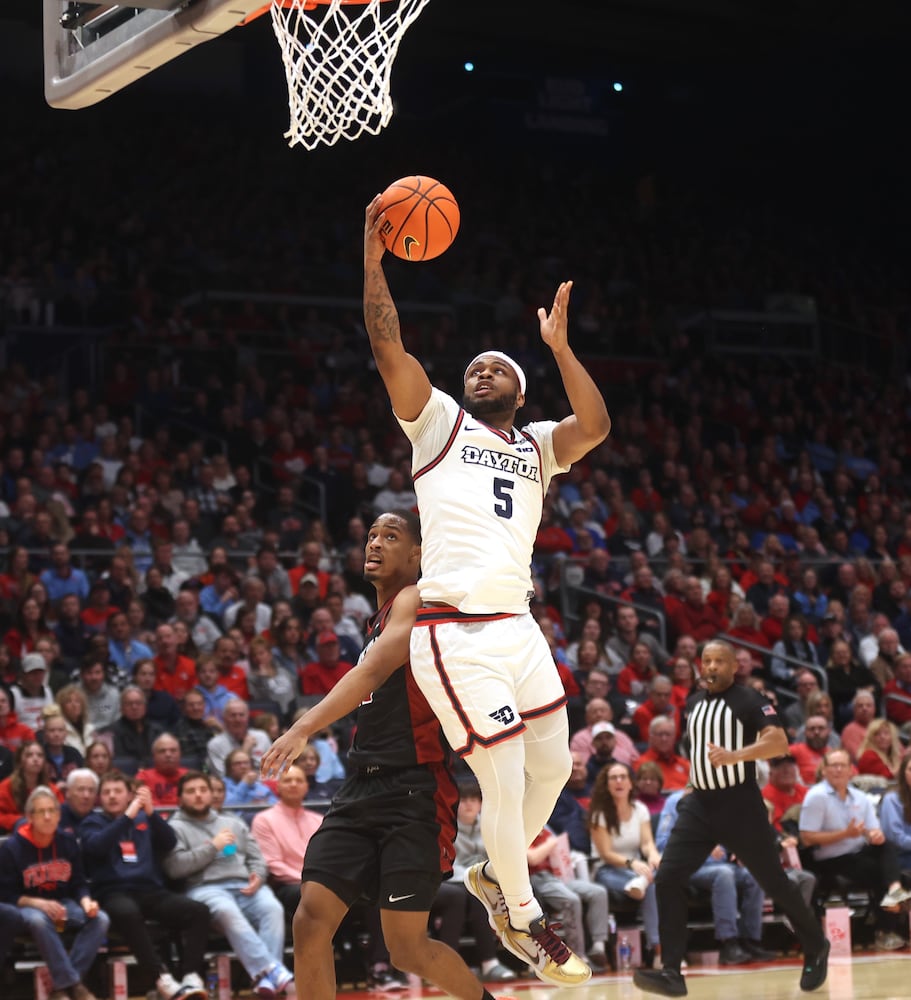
{"x":504,"y":715}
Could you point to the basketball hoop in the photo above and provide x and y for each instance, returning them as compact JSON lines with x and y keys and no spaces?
{"x":338,"y":57}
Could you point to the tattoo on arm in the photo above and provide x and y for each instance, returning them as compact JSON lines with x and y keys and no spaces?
{"x":380,"y":314}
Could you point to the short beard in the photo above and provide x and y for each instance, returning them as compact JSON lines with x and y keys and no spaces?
{"x":196,"y":813}
{"x":491,"y":406}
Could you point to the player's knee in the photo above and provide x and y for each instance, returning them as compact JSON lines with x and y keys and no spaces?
{"x":311,"y":924}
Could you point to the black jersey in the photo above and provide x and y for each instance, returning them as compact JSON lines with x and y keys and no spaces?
{"x":395,"y":725}
{"x":732,"y":720}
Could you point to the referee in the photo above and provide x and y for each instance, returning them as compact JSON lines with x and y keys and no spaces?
{"x":730,"y":726}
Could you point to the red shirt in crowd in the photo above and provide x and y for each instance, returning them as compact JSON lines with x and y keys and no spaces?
{"x":177,"y":682}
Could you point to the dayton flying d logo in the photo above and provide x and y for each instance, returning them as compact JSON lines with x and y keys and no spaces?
{"x":408,"y":242}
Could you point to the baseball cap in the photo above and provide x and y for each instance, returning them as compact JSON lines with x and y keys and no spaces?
{"x":33,"y":661}
{"x":325,"y":637}
{"x":783,"y":759}
{"x":309,"y":578}
{"x":506,"y":359}
{"x":603,"y":727}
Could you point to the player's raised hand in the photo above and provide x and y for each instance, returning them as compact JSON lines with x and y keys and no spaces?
{"x":284,"y":751}
{"x":554,"y":323}
{"x":374,"y":247}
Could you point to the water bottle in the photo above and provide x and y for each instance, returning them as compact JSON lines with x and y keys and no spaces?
{"x":228,"y":850}
{"x":624,"y":954}
{"x":212,"y":980}
{"x":611,"y":925}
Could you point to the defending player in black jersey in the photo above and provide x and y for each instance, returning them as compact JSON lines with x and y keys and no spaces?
{"x":730,"y":727}
{"x":388,"y":836}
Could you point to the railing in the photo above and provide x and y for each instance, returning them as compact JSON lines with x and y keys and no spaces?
{"x":765,"y":653}
{"x":570,"y":612}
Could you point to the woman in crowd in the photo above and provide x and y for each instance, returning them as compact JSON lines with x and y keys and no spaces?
{"x":723,"y":587}
{"x":98,"y":757}
{"x":621,"y":833}
{"x":17,"y":579}
{"x":793,"y":643}
{"x":75,"y":710}
{"x":591,"y":632}
{"x":895,"y":813}
{"x":649,"y":782}
{"x":881,"y":750}
{"x":266,"y":681}
{"x":287,"y":652}
{"x":812,"y":602}
{"x":29,"y":771}
{"x":30,"y":626}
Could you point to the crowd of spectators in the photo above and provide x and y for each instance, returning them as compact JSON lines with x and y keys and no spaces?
{"x":171,"y":595}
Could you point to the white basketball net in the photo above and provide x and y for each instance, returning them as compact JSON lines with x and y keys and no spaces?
{"x":338,"y":60}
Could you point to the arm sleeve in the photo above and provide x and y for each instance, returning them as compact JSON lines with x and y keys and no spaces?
{"x":185,"y":860}
{"x":98,"y":838}
{"x":812,"y":813}
{"x":892,"y":821}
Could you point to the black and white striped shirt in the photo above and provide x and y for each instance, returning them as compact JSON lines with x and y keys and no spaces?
{"x":733,"y":720}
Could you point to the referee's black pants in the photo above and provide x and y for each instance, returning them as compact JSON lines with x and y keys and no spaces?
{"x":736,"y":818}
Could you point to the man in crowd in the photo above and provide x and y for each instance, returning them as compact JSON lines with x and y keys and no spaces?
{"x":658,"y":704}
{"x":809,"y":754}
{"x":79,"y":799}
{"x":52,"y":897}
{"x":210,"y":687}
{"x":162,"y":777}
{"x":231,"y":883}
{"x":174,"y":673}
{"x":783,"y":792}
{"x":203,"y":631}
{"x":321,"y":676}
{"x":133,"y":734}
{"x":123,"y":845}
{"x":61,"y":578}
{"x":598,"y":710}
{"x":662,"y":737}
{"x":103,"y":698}
{"x":863,"y":712}
{"x":839,"y":823}
{"x":230,"y":673}
{"x":237,"y":735}
{"x":124,"y":650}
{"x":627,"y":634}
{"x":283,"y":832}
{"x":693,"y":616}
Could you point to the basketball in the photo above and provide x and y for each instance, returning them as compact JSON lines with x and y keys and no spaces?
{"x":422,"y":218}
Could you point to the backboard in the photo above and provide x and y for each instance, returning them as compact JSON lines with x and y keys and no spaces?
{"x":106,"y":46}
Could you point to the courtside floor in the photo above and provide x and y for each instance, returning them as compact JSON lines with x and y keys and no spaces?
{"x":864,"y":977}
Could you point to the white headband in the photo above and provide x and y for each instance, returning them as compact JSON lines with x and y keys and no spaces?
{"x":520,"y":375}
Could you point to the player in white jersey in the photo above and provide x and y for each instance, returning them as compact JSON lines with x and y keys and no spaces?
{"x":476,"y":652}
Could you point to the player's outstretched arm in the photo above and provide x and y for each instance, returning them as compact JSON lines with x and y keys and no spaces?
{"x":385,"y":656}
{"x":402,"y":373}
{"x":589,"y":424}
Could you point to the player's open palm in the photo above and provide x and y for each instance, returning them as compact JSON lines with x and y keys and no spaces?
{"x":284,"y":751}
{"x":554,"y":323}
